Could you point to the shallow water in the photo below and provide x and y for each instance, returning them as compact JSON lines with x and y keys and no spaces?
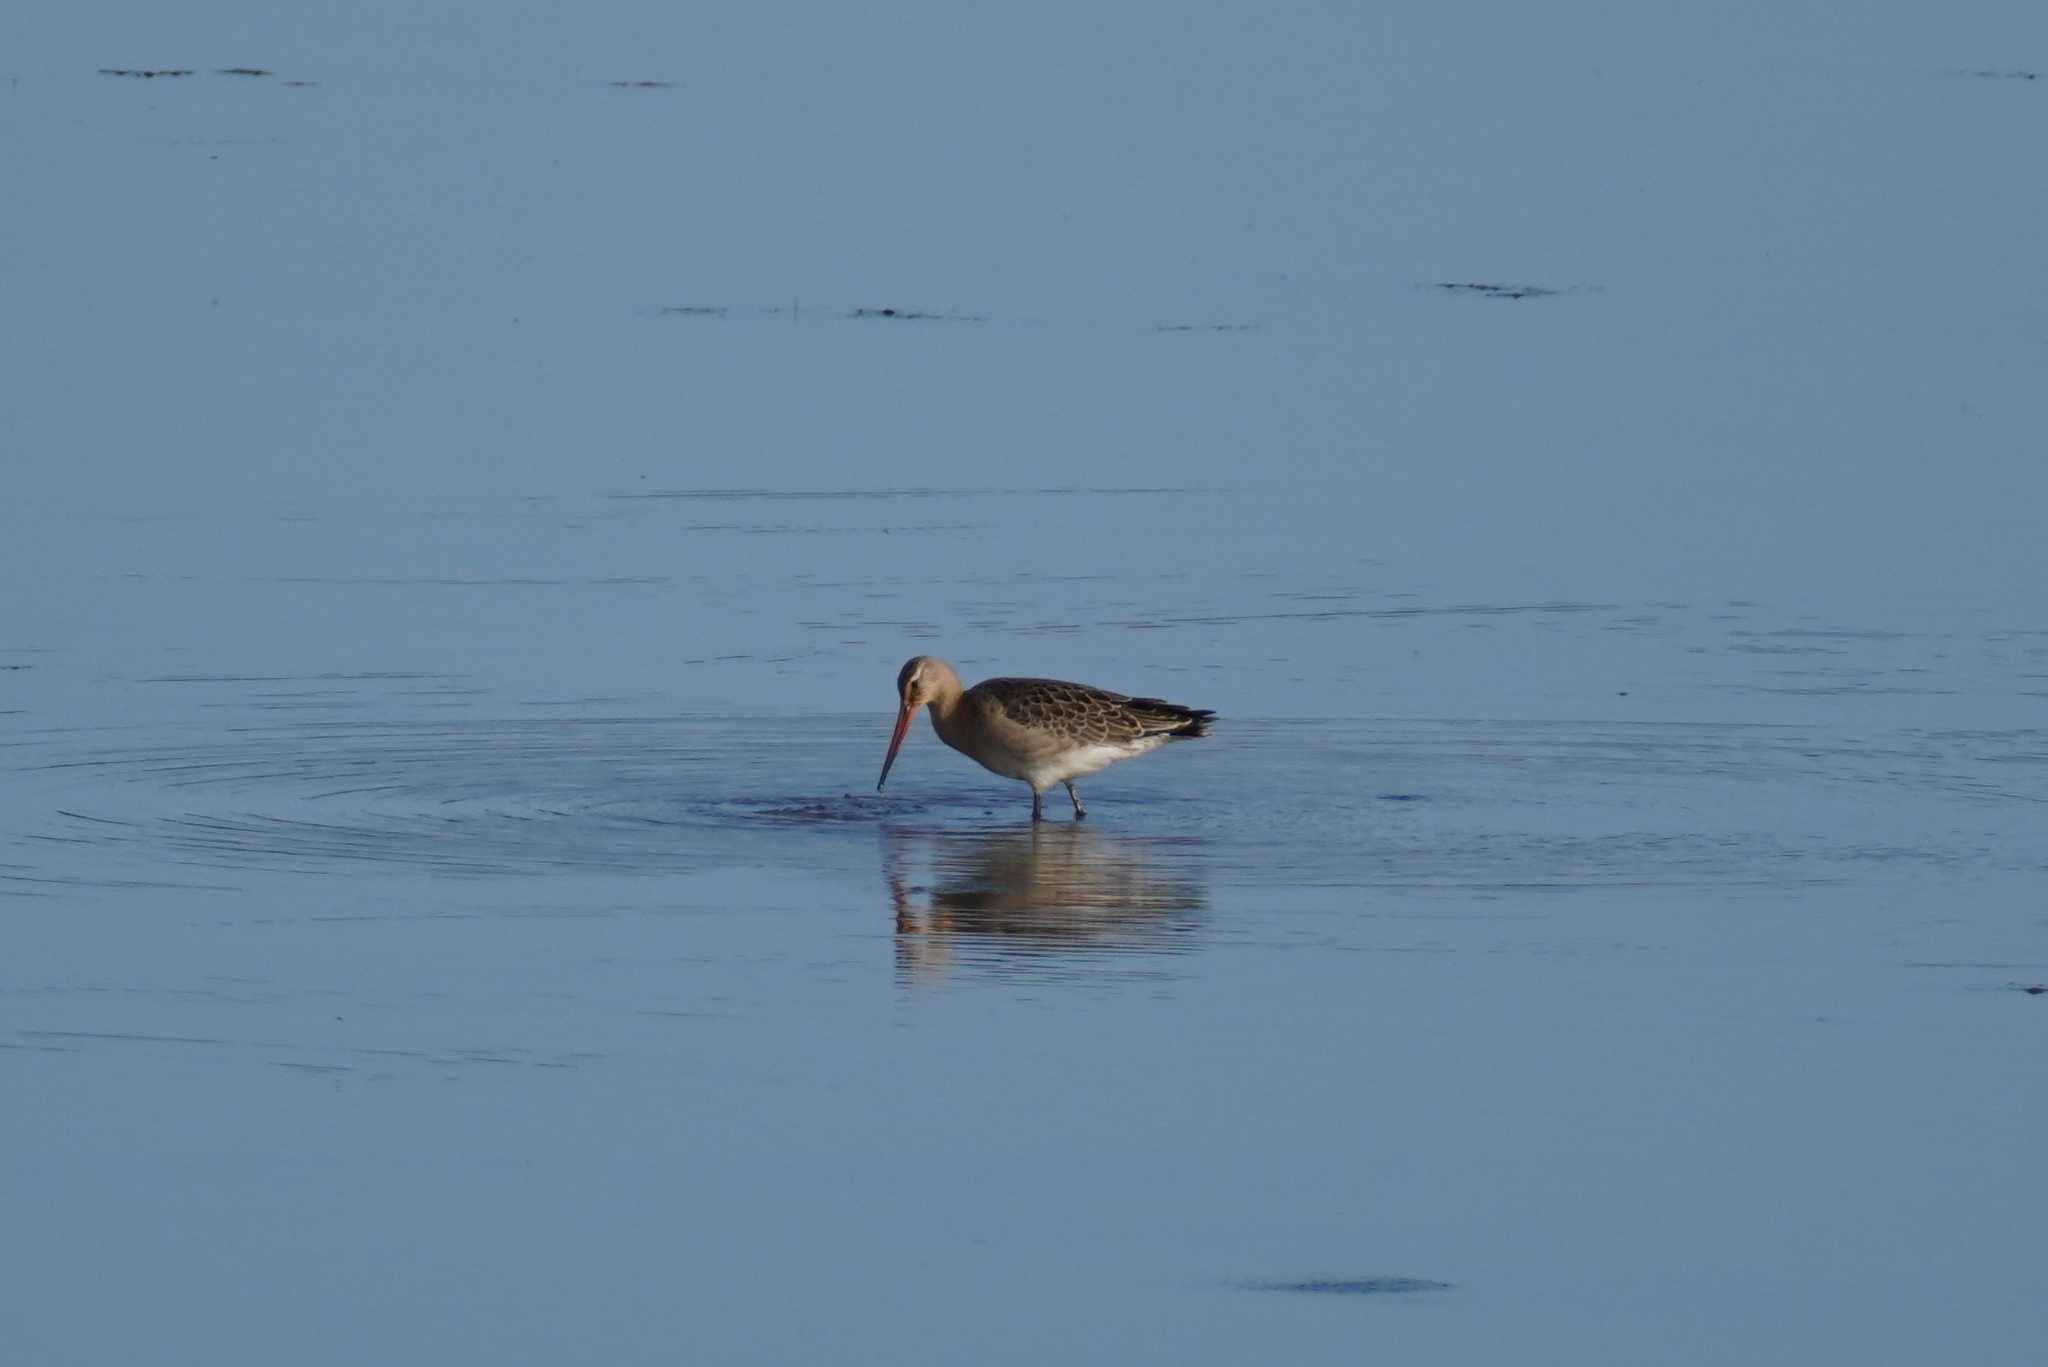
{"x":674,"y":1020}
{"x":468,"y":498}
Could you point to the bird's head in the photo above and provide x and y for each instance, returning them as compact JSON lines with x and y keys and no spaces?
{"x":923,"y":679}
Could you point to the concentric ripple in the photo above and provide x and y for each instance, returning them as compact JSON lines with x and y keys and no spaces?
{"x":1451,"y":806}
{"x":486,"y":798}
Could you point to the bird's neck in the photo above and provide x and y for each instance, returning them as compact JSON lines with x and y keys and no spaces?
{"x":945,"y":703}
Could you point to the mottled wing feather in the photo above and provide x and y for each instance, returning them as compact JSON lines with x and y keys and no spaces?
{"x":1170,"y":718}
{"x":1094,"y":715}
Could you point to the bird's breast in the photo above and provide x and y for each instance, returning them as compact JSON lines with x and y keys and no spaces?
{"x":996,"y":753}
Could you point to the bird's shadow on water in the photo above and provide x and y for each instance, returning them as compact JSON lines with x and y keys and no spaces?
{"x":1048,"y":901}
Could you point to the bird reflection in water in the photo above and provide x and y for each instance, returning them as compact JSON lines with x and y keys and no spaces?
{"x":1047,"y":902}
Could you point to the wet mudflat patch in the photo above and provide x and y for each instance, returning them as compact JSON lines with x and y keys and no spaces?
{"x":1495,"y":290}
{"x":913,"y":315}
{"x":1346,"y":1286}
{"x":799,"y":311}
{"x":164,"y":73}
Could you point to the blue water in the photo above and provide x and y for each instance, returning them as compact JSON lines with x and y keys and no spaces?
{"x":465,"y":512}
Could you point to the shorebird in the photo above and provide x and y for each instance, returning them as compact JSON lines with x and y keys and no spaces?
{"x":1039,"y":731}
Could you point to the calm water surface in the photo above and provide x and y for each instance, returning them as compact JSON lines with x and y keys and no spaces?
{"x":1332,"y":1032}
{"x":465,"y":493}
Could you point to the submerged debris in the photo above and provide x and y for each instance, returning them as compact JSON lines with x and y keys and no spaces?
{"x":918,"y":316}
{"x":795,"y":311}
{"x":1353,"y":1286}
{"x":1488,"y":291}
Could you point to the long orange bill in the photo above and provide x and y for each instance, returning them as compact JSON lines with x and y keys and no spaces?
{"x":896,"y":742}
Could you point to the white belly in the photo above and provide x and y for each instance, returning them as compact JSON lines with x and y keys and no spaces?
{"x":1084,"y":760}
{"x":1041,"y":767}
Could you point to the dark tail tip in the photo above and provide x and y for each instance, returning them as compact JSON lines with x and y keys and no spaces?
{"x":1171,"y":719}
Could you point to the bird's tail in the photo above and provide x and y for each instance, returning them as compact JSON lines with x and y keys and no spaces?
{"x":1171,"y":719}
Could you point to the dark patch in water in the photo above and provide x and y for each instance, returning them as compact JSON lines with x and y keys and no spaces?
{"x":1400,"y":797}
{"x":739,"y":495}
{"x":810,"y":811}
{"x":1489,"y":291}
{"x":1206,"y":327}
{"x":2001,"y":74}
{"x":917,"y":316}
{"x":2032,"y":989}
{"x":1333,"y":614}
{"x":330,"y":677}
{"x":242,"y":71}
{"x":696,"y":310}
{"x":641,"y":85}
{"x":141,"y":74}
{"x":1349,"y":1286}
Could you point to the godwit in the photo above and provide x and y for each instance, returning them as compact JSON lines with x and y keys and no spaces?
{"x":1040,"y":731}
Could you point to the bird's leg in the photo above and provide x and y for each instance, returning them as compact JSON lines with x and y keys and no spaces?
{"x":1079,"y":810}
{"x":1037,"y":809}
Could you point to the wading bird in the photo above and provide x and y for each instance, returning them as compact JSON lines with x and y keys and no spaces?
{"x":1038,"y":731}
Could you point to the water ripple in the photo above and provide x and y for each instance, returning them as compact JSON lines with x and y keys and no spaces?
{"x":1444,"y":807}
